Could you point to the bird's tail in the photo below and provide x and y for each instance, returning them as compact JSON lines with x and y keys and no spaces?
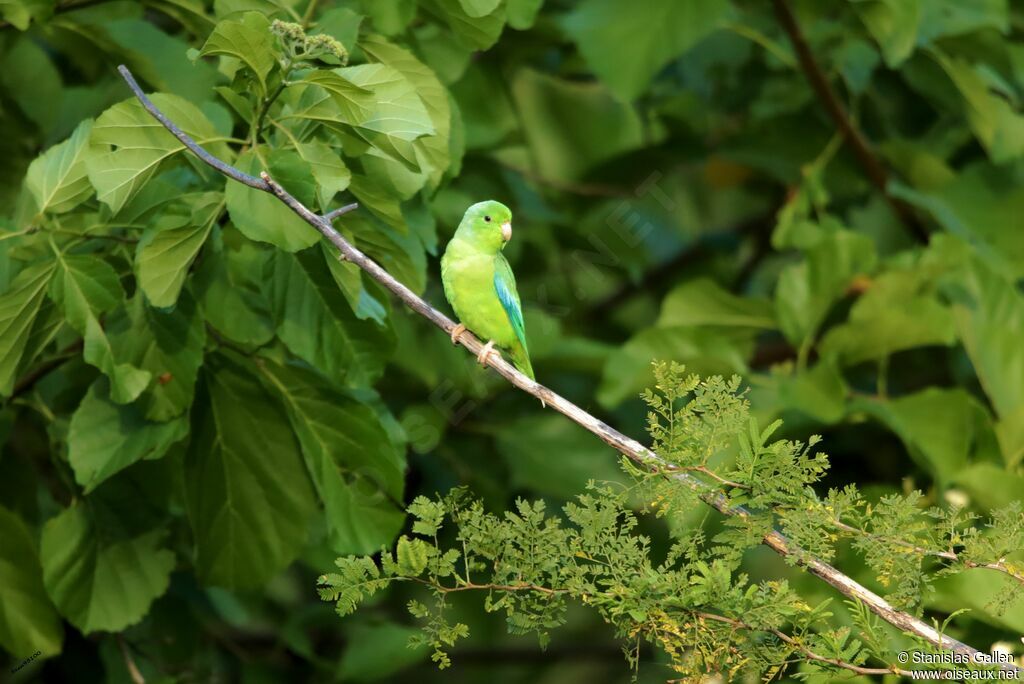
{"x":521,"y":360}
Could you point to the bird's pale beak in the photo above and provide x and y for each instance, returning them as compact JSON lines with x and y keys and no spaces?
{"x":506,"y":230}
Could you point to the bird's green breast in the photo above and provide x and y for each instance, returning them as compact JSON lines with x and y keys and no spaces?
{"x":468,"y":278}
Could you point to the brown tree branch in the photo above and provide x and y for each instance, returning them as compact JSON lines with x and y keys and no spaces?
{"x":626,"y":445}
{"x":872,"y":165}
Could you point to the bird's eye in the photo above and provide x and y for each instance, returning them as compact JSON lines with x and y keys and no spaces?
{"x":487,"y":218}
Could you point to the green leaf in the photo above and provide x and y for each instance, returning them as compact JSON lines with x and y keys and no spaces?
{"x":379,"y":200}
{"x":249,"y":498}
{"x":894,"y":25}
{"x":487,"y":114}
{"x":989,"y":314}
{"x":247,"y":38}
{"x":392,"y":17}
{"x":315,"y":322}
{"x":133,"y":144}
{"x":995,"y":123}
{"x":411,"y":555}
{"x":19,"y":307}
{"x":230,"y":297}
{"x":165,"y":253}
{"x":572,"y":127}
{"x":341,"y":23}
{"x":293,"y":172}
{"x":28,"y":620}
{"x":226,"y":8}
{"x":400,"y":254}
{"x":357,"y":579}
{"x":818,"y":392}
{"x":522,"y":13}
{"x":100,"y":583}
{"x":941,"y":18}
{"x":899,"y":311}
{"x":938,"y":426}
{"x":85,"y":287}
{"x":479,"y":8}
{"x":390,"y":119}
{"x":807,"y":290}
{"x":33,"y":81}
{"x":355,"y":103}
{"x":473,"y":30}
{"x":105,"y":438}
{"x":627,"y":44}
{"x":20,"y":12}
{"x":157,"y":57}
{"x":127,"y":382}
{"x":329,"y":170}
{"x":357,"y":470}
{"x":57,"y":179}
{"x":705,"y":302}
{"x":977,"y":204}
{"x":857,"y":60}
{"x":434,"y":154}
{"x":166,"y":344}
{"x":336,"y":428}
{"x":261,"y":216}
{"x":349,"y":279}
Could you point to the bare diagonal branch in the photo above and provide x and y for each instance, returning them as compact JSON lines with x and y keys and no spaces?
{"x":627,"y":446}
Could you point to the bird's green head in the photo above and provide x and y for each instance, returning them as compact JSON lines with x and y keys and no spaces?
{"x":488,"y":225}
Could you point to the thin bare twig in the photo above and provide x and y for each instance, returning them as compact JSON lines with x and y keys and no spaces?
{"x":129,"y":662}
{"x":491,"y":587}
{"x":626,"y":445}
{"x":340,"y":211}
{"x":872,"y":165}
{"x":953,"y":556}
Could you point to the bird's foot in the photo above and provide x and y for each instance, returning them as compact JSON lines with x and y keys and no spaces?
{"x":456,"y":332}
{"x":486,"y":352}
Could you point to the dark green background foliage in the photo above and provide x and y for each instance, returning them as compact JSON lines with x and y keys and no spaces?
{"x":202,"y":408}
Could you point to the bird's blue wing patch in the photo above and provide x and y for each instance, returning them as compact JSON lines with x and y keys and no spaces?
{"x":505,"y":286}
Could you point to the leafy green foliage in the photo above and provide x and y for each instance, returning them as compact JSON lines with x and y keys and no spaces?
{"x":29,"y":621}
{"x":105,"y":437}
{"x":98,"y":582}
{"x":668,"y":29}
{"x":57,"y":179}
{"x":697,"y":605}
{"x":201,"y":406}
{"x":244,"y":535}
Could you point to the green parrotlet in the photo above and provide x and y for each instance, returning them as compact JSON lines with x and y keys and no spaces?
{"x":479,"y":284}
